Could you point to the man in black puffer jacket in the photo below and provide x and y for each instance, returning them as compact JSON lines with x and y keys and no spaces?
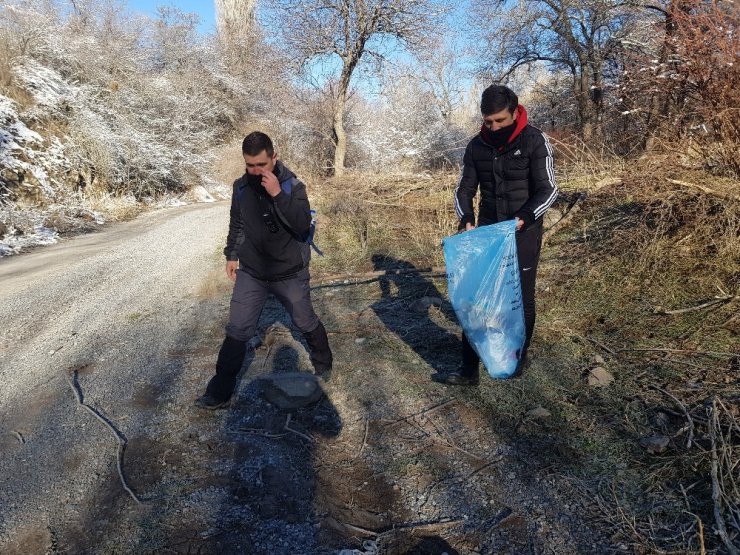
{"x":267,"y":251}
{"x":511,"y":163}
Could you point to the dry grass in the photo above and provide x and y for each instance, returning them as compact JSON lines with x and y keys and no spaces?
{"x":638,"y":252}
{"x":366,"y":220}
{"x":116,"y":208}
{"x":635,"y":251}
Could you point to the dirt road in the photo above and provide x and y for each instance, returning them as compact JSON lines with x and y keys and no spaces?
{"x":112,"y":305}
{"x":388,"y":463}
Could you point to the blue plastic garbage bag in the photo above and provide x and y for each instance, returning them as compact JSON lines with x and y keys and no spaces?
{"x":486,"y":293}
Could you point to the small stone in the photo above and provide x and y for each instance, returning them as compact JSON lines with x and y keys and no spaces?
{"x":360,"y":340}
{"x":539,"y":412}
{"x":655,"y":444}
{"x":599,"y":377}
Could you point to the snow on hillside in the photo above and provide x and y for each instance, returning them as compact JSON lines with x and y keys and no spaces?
{"x":76,"y":147}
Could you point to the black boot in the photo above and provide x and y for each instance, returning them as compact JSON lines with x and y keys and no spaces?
{"x":221,"y":386}
{"x":467,"y":373}
{"x":319,"y":351}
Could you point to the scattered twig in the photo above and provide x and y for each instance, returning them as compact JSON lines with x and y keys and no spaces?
{"x":287,"y":428}
{"x":689,"y":420}
{"x":364,"y":439}
{"x":257,"y":432}
{"x":600,"y":345}
{"x":480,"y":469}
{"x":718,"y":300}
{"x":424,"y":411}
{"x":265,"y":433}
{"x":699,"y":532}
{"x":20,"y":437}
{"x":442,"y":522}
{"x":716,"y":486}
{"x":121,"y":440}
{"x":426,"y":524}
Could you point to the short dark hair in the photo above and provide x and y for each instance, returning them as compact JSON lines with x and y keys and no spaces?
{"x":256,"y":142}
{"x":496,"y":98}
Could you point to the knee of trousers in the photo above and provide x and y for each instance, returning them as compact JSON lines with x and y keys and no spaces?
{"x":240,"y":334}
{"x":306,"y":323}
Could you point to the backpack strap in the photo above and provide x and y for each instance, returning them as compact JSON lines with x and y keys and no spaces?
{"x":287,"y":187}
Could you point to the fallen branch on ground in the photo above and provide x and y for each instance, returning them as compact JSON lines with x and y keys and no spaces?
{"x":326,"y":280}
{"x":575,"y":207}
{"x":717,"y":300}
{"x":364,"y":439}
{"x":717,"y":489}
{"x":427,"y":525}
{"x":77,"y":390}
{"x":707,"y":190}
{"x":665,"y":350}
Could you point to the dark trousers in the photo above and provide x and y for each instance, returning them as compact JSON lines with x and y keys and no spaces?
{"x":247,"y":301}
{"x":528,"y":246}
{"x":250,"y":295}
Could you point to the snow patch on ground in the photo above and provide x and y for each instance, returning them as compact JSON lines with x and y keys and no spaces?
{"x":13,"y":244}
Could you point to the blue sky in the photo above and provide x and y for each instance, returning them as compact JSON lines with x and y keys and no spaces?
{"x":204,"y":9}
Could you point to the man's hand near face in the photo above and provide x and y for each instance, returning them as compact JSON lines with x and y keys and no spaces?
{"x":231,"y":267}
{"x":270,"y":182}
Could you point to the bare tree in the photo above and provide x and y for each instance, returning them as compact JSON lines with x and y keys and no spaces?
{"x":234,"y":14}
{"x":580,"y":36}
{"x":685,"y":80}
{"x":235,"y":20}
{"x":351,"y":31}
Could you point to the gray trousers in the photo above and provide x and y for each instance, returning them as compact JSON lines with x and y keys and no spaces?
{"x":249,"y":297}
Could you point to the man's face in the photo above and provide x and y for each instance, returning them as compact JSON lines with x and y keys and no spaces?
{"x":260,"y":163}
{"x":496,"y":121}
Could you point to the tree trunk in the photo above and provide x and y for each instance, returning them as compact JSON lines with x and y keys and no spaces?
{"x":659,"y":102}
{"x":583,"y":101}
{"x":340,"y":147}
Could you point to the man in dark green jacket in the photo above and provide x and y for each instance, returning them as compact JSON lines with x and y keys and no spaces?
{"x":511,"y":163}
{"x":267,"y":251}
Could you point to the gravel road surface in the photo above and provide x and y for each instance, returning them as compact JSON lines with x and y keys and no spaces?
{"x":112,"y":305}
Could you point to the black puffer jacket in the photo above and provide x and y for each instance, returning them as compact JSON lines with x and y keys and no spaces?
{"x":516,"y":181}
{"x":264,"y":254}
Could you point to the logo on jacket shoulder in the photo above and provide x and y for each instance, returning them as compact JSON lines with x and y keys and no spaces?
{"x":517,"y":152}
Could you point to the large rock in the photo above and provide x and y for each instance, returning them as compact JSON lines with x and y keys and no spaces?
{"x":291,"y":391}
